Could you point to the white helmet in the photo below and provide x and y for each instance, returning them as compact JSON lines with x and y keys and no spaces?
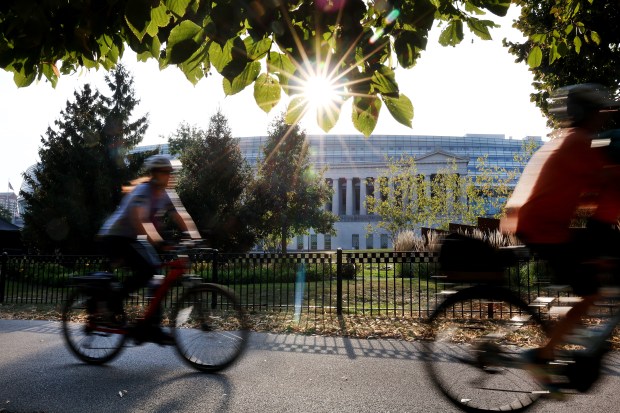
{"x":157,"y":162}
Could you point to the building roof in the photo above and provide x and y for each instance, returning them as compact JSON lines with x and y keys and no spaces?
{"x":7,"y":226}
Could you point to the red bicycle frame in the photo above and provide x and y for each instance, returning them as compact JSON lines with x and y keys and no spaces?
{"x":175,"y":270}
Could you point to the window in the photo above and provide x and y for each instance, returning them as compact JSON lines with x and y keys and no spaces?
{"x":313,"y":242}
{"x":369,"y":241}
{"x":384,"y":241}
{"x":300,"y":242}
{"x":355,"y":241}
{"x":328,"y":242}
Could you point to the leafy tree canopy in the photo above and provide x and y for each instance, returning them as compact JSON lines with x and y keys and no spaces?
{"x":274,"y":45}
{"x":569,"y":42}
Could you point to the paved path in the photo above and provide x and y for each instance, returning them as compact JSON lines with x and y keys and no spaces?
{"x":279,"y":373}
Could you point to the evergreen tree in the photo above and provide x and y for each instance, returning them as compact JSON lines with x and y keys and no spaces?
{"x":78,"y":181}
{"x":213,"y":181}
{"x":290,"y":194}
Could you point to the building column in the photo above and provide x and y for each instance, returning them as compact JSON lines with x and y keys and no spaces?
{"x":377,"y":191}
{"x":363,"y":196}
{"x":349,"y":199}
{"x":336,"y":196}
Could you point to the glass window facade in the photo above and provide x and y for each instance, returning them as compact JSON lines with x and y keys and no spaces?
{"x":328,"y":150}
{"x":327,"y":239}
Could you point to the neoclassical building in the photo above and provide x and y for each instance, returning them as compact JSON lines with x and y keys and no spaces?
{"x":354,"y":165}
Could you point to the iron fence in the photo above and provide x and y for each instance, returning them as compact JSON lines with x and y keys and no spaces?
{"x":369,"y":283}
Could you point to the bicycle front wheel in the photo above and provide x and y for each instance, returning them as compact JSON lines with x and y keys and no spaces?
{"x":475,"y":355}
{"x":210,"y":328}
{"x":89,"y":335}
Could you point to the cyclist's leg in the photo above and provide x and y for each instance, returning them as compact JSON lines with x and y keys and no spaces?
{"x":145,"y":263}
{"x":566,"y":263}
{"x":138,"y":258}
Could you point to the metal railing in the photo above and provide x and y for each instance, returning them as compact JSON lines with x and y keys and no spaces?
{"x":370,"y":283}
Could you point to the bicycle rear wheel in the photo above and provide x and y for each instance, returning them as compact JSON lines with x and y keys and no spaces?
{"x":91,"y":336}
{"x":475,"y":356}
{"x":210,"y":328}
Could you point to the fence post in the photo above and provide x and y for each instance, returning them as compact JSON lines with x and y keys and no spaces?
{"x":215,"y":259}
{"x":339,"y":281}
{"x":3,"y":269}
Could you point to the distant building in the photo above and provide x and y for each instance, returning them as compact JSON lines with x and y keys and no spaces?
{"x":354,"y":163}
{"x":8,"y":200}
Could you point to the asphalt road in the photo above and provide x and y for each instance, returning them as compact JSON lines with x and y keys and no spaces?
{"x":279,"y":373}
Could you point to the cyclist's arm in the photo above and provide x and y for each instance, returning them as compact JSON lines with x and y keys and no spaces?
{"x":180,"y":216}
{"x":185,"y":223}
{"x":140,"y":219}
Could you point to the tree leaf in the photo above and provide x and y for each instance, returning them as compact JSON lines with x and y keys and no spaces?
{"x":138,"y":16}
{"x":257,"y":50}
{"x":595,"y":37}
{"x":243,"y":80}
{"x":384,"y":81}
{"x":365,"y":113}
{"x":267,"y":92}
{"x":480,"y":28}
{"x":296,"y":110}
{"x":327,"y":116}
{"x":281,"y":65}
{"x":577,"y":43}
{"x":534,"y":59}
{"x":159,"y":18}
{"x":452,"y":34}
{"x":407,"y":46}
{"x":178,"y":7}
{"x":562,"y":49}
{"x":401,"y":108}
{"x":182,"y":42}
{"x":497,"y":7}
{"x":220,"y":56}
{"x":553,"y":52}
{"x":21,"y":80}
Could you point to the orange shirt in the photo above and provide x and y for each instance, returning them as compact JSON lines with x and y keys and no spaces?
{"x":548,"y":194}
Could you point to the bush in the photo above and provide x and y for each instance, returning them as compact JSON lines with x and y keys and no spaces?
{"x":349,"y":270}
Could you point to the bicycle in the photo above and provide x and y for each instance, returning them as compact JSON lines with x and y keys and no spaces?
{"x":482,"y":338}
{"x":208,"y":323}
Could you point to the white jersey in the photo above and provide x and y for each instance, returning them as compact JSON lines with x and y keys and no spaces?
{"x":118,"y":224}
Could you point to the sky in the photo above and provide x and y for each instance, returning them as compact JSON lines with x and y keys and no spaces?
{"x":475,"y":87}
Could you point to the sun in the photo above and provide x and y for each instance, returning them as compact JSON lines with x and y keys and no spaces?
{"x":321,"y":92}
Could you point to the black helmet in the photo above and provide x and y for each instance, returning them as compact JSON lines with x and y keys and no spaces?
{"x":573,"y":104}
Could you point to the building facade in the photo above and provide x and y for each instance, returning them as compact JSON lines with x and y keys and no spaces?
{"x":8,"y":200}
{"x":353,"y":165}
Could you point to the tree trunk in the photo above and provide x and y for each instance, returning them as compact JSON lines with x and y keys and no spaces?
{"x":283,"y":235}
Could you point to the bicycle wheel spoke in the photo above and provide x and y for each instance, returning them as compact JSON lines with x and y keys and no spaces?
{"x":209,"y":328}
{"x":88,"y":341}
{"x":475,"y":356}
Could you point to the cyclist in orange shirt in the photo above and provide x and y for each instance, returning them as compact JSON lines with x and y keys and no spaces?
{"x":565,"y":174}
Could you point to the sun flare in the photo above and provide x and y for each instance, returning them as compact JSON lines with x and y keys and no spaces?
{"x":321,"y":92}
